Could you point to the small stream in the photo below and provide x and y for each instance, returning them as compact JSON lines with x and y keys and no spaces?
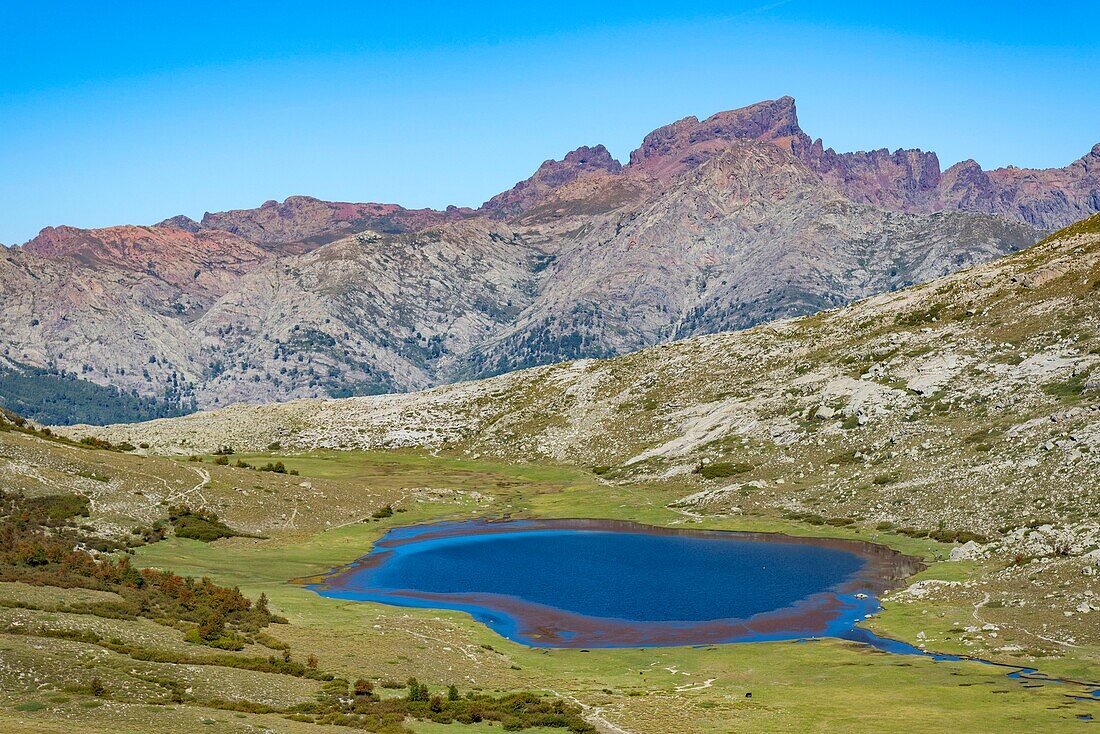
{"x":1016,"y":672}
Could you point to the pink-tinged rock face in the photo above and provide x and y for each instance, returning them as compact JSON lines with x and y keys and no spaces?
{"x":552,"y":175}
{"x":905,"y":180}
{"x":672,"y":149}
{"x":173,"y":253}
{"x":302,"y":223}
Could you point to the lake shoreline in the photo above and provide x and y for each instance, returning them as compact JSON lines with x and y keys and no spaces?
{"x":825,"y":612}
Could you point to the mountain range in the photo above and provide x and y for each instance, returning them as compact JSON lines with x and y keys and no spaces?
{"x":711,"y":225}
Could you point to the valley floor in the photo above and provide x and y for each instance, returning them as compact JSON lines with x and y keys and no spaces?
{"x":321,"y":518}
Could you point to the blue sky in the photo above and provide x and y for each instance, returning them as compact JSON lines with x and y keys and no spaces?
{"x":118,"y":112}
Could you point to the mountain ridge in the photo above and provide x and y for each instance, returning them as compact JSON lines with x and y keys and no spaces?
{"x":711,"y":225}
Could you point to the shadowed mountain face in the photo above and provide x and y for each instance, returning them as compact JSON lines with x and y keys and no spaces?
{"x":712,"y":225}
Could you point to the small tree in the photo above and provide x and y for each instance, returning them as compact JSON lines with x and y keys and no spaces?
{"x":363,"y":687}
{"x":417,"y":690}
{"x":213,"y":627}
{"x":452,"y":692}
{"x":311,"y":662}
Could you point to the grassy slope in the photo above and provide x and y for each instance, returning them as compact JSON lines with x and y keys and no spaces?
{"x":959,"y":406}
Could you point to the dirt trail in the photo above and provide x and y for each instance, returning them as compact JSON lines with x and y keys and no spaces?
{"x":204,"y":481}
{"x":979,"y":620}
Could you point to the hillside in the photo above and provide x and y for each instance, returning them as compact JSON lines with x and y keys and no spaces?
{"x":712,"y":225}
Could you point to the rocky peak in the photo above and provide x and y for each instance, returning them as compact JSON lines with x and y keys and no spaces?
{"x":56,"y":241}
{"x":906,"y":179}
{"x":685,"y":143}
{"x":589,"y":158}
{"x":551,"y":175}
{"x":181,"y":221}
{"x":1091,"y":160}
{"x":772,"y":121}
{"x":171,"y":254}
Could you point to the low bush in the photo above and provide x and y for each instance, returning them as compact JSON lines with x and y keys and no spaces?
{"x":202,"y":525}
{"x":722,"y":469}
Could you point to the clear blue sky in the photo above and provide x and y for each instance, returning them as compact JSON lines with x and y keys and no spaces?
{"x":114,"y":112}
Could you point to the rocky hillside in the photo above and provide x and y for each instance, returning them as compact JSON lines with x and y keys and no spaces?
{"x":712,"y":225}
{"x":970,"y":403}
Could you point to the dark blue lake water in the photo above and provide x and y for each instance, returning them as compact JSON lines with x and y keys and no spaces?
{"x":637,"y":576}
{"x":602,"y":584}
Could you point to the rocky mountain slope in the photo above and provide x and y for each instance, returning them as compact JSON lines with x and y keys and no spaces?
{"x":712,"y":225}
{"x":970,"y":403}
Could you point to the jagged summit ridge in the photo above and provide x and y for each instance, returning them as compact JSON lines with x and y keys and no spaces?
{"x":713,"y":224}
{"x":669,"y":149}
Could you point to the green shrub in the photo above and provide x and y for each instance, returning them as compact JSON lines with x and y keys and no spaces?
{"x":201,"y":525}
{"x":30,"y":706}
{"x":723,"y":469}
{"x":1068,"y":389}
{"x":58,"y":507}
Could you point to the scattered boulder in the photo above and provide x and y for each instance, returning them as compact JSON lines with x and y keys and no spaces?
{"x":968,"y":551}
